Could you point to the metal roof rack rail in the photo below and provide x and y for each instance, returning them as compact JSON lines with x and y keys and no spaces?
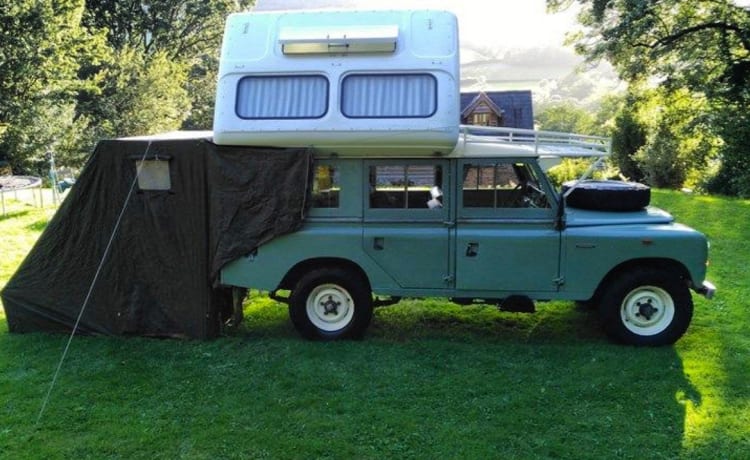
{"x":543,"y":143}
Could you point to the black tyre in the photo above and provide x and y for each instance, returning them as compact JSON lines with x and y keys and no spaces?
{"x":330,"y":304}
{"x":650,"y":307}
{"x":607,"y":195}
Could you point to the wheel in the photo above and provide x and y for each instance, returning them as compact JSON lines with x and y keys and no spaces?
{"x":330,"y":304}
{"x":607,"y":195}
{"x":649,"y":307}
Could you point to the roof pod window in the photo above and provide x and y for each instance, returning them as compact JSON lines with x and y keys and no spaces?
{"x":389,"y":96}
{"x":282,"y":97}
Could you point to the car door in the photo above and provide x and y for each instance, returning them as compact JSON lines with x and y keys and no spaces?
{"x":406,"y":221}
{"x":506,"y":238}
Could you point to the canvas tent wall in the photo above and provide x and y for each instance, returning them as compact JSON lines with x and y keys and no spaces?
{"x":381,"y":82}
{"x":214,"y":205}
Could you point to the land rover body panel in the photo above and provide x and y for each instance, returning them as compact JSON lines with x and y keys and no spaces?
{"x":462,"y":250}
{"x":266,"y":267}
{"x":589,"y":253}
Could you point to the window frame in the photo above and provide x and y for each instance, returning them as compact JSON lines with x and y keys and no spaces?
{"x":405,"y":215}
{"x":342,"y":96}
{"x":503,"y":213}
{"x":327,"y":97}
{"x":350,"y":193}
{"x":335,"y":180}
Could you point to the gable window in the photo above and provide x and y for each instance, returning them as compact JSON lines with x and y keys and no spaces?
{"x":389,"y":96}
{"x":480,"y":119}
{"x":282,"y":97}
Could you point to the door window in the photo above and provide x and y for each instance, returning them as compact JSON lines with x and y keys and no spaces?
{"x":502,"y":185}
{"x":406,"y":186}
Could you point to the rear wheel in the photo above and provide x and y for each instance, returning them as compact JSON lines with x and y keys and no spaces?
{"x":649,"y":307}
{"x":329,"y":304}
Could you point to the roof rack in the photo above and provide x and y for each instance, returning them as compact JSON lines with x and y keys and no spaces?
{"x":541,"y":143}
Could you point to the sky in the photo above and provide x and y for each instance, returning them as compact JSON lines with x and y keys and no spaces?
{"x":513,"y":24}
{"x":505,"y":44}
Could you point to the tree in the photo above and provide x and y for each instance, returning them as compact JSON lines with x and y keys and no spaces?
{"x":183,"y":29}
{"x":185,"y":32}
{"x":698,"y":46}
{"x":141,"y":95}
{"x":41,"y":47}
{"x":703,"y":45}
{"x":569,"y":117}
{"x":628,"y":137}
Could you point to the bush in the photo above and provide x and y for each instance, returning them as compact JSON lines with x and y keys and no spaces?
{"x":575,"y":168}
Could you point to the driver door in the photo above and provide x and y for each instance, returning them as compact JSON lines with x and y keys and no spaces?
{"x":505,"y":228}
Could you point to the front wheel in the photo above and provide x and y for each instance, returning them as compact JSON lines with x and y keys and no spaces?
{"x":329,"y":304}
{"x":648,"y":307}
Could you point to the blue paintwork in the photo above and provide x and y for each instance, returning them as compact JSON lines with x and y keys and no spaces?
{"x":471,"y":252}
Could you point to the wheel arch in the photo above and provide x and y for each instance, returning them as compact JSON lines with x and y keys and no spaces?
{"x":305,"y":266}
{"x":665,"y":264}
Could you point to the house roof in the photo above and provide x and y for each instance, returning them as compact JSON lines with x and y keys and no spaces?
{"x":515,"y":106}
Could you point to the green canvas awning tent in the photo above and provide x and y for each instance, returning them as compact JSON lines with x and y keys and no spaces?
{"x":195,"y":207}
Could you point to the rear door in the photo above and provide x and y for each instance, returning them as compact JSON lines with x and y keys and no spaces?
{"x":406,"y":221}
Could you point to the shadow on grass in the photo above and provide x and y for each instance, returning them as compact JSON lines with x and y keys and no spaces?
{"x":410,"y":320}
{"x":38,"y":226}
{"x":430,"y":380}
{"x":13,"y":215}
{"x":451,"y":388}
{"x":550,"y":383}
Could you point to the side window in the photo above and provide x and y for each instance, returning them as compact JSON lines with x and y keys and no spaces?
{"x":326,"y":187}
{"x":389,"y":96}
{"x":282,"y":97}
{"x":502,"y":185}
{"x":406,"y":186}
{"x":153,"y":175}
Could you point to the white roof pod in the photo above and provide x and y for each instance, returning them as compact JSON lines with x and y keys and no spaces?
{"x":353,"y":82}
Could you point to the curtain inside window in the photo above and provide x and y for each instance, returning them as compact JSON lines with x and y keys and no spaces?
{"x":297,"y":96}
{"x":389,"y":96}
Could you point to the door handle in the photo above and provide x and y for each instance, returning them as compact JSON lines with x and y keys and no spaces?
{"x":378,"y":243}
{"x":472,"y":249}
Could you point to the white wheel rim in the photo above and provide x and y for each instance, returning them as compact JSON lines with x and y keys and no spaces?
{"x":647,"y":310}
{"x":330,"y":307}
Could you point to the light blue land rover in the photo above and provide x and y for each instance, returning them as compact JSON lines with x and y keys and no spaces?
{"x":481,"y":224}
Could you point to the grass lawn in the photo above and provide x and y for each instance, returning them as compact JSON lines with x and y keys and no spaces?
{"x":431,"y":380}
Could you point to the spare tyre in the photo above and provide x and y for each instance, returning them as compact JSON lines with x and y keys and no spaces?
{"x":607,"y":195}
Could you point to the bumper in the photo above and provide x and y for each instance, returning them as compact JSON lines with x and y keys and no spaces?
{"x":707,"y":290}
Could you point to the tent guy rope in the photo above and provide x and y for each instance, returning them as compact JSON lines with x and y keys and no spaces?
{"x":93,"y":283}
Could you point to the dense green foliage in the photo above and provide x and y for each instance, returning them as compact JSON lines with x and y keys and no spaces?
{"x":41,"y":49}
{"x":430,"y":379}
{"x":693,"y":59}
{"x":74,"y":71}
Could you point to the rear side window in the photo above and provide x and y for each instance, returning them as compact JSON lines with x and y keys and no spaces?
{"x":389,"y":96}
{"x":282,"y":97}
{"x":406,"y":186}
{"x":326,"y":187}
